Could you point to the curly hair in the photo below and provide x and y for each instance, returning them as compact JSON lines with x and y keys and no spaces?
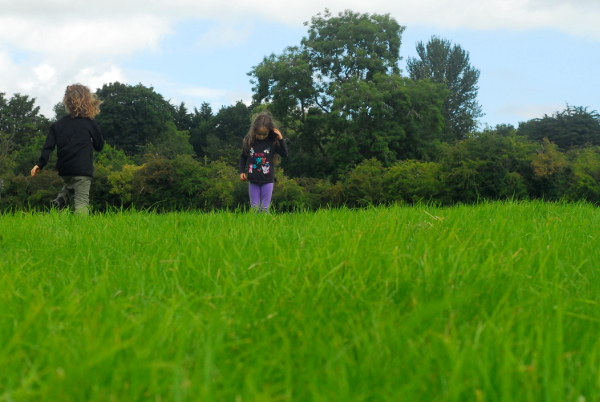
{"x":81,"y":102}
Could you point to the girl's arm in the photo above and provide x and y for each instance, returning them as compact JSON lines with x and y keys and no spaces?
{"x":282,"y":148}
{"x":242,"y":165}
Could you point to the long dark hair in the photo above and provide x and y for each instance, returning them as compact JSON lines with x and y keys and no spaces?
{"x":263,"y":120}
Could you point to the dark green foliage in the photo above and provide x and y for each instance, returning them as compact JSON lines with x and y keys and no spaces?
{"x":341,"y":99}
{"x":201,"y":128}
{"x":449,"y":64}
{"x":231,"y":124}
{"x":170,"y":143}
{"x":59,"y":111}
{"x":20,"y":119}
{"x":390,"y":118}
{"x":21,"y":192}
{"x":353,"y":45}
{"x":181,"y":117}
{"x":21,"y":127}
{"x":112,"y":158}
{"x":487,"y":166}
{"x":132,"y":116}
{"x":363,"y":186}
{"x":182,"y":183}
{"x":573,"y":127}
{"x":412,"y":181}
{"x":286,"y":82}
{"x":288,"y":195}
{"x":219,"y":137}
{"x":584,"y":181}
{"x":550,"y":172}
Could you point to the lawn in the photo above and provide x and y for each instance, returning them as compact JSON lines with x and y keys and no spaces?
{"x":494,"y":302}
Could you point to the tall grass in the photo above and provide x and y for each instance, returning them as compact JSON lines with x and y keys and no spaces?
{"x":496,"y":302}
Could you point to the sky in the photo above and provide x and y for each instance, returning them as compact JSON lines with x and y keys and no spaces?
{"x":534,"y":56}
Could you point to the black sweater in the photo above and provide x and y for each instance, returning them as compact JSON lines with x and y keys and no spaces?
{"x":75,"y":139}
{"x":258,"y":161}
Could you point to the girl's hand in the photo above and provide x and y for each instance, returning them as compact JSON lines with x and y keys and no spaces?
{"x":35,"y":169}
{"x":243,"y":176}
{"x":278,"y":134}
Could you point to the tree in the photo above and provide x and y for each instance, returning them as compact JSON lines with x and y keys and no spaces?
{"x":301,"y":85}
{"x":389,"y":118}
{"x":353,"y":45}
{"x":201,"y":127}
{"x":573,"y":127}
{"x":285,"y":81}
{"x":487,"y":166}
{"x":584,"y":183}
{"x":170,"y":143}
{"x":449,"y":64}
{"x":228,"y":128}
{"x":181,"y":117}
{"x":21,"y":125}
{"x":132,"y":116}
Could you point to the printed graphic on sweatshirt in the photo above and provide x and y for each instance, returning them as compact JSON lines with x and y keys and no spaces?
{"x":260,"y":161}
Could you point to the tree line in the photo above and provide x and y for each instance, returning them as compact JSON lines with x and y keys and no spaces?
{"x":359,"y":132}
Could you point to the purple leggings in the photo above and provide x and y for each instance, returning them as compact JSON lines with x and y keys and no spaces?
{"x":260,"y":196}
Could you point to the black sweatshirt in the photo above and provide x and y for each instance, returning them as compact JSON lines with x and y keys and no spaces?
{"x":258,"y":161}
{"x":75,"y":139}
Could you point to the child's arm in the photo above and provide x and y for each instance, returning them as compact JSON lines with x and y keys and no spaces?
{"x":97,"y":139}
{"x":49,"y":146}
{"x":282,"y":148}
{"x":242,"y":166}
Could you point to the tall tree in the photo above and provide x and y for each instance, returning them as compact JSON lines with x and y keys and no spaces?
{"x":21,"y":125}
{"x":353,"y":45}
{"x":132,"y":116}
{"x":20,"y":118}
{"x":286,"y":81}
{"x":201,"y":127}
{"x":230,"y":125}
{"x":573,"y":127}
{"x":300,"y":86}
{"x":389,"y":118}
{"x":448,"y":64}
{"x":183,"y":119}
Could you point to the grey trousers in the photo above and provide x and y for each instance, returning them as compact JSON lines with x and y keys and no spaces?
{"x":77,"y":188}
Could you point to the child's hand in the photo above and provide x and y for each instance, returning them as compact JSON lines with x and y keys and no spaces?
{"x":243,"y":176}
{"x":278,"y":134}
{"x":35,"y":169}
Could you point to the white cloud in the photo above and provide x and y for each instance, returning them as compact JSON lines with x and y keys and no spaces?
{"x":573,"y":16}
{"x":54,"y":54}
{"x":94,"y":78}
{"x":63,"y":41}
{"x":47,"y":83}
{"x":95,"y":38}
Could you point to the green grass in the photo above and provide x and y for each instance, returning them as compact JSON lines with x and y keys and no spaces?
{"x":496,"y":302}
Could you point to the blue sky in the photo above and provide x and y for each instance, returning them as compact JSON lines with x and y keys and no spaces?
{"x":534,"y":56}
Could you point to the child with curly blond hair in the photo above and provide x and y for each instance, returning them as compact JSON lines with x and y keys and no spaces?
{"x":75,"y":138}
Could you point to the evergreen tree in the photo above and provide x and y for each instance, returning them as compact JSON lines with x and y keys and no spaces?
{"x":448,"y":64}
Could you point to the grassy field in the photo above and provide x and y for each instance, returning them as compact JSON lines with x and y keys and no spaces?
{"x":496,"y":302}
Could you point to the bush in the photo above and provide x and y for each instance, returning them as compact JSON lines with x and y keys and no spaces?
{"x":412,"y":181}
{"x":363,"y":186}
